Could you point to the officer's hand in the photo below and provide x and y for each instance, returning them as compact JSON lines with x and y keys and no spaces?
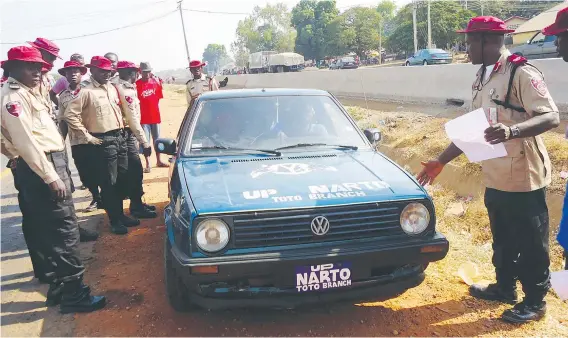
{"x":430,"y":171}
{"x":498,"y":133}
{"x":12,"y":163}
{"x":147,"y":151}
{"x":58,"y":189}
{"x":96,"y":141}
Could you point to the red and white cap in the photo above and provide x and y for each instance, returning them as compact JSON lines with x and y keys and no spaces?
{"x":47,"y":46}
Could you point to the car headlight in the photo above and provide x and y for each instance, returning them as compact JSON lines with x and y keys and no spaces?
{"x":212,"y":235}
{"x":414,"y":219}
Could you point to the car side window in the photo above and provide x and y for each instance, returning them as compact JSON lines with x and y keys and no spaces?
{"x":539,"y":38}
{"x":550,"y":38}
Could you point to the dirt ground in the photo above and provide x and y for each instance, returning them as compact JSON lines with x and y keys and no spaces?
{"x":129,"y":271}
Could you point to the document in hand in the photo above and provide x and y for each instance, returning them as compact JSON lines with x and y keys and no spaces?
{"x":467,"y":132}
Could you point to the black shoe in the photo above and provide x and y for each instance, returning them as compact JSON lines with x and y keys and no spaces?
{"x":494,"y":292}
{"x":129,"y":222}
{"x":142,"y":212}
{"x":77,"y":298}
{"x":54,"y":294}
{"x":118,"y":228}
{"x":44,"y":280}
{"x":87,"y":235}
{"x":525,"y":312}
{"x":149,"y":207}
{"x":93,"y":206}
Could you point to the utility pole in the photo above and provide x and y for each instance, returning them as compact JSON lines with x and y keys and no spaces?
{"x":481,"y":1}
{"x":414,"y":26}
{"x":466,"y":4}
{"x":429,"y":27}
{"x":183,"y":27}
{"x":381,"y":42}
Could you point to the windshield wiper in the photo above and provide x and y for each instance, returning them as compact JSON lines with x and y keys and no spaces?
{"x":301,"y":145}
{"x":274,"y":152}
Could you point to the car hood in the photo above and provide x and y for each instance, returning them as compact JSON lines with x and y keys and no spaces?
{"x":299,"y":180}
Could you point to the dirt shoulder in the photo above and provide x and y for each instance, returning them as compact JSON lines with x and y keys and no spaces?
{"x":129,"y":270}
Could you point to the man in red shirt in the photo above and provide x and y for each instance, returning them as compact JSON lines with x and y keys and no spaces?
{"x":149,"y":93}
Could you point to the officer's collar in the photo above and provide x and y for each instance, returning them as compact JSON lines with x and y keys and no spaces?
{"x":500,"y":66}
{"x":127,"y":84}
{"x":13,"y":81}
{"x":97,"y":84}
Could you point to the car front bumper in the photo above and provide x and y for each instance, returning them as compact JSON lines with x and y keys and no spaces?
{"x":378,"y":272}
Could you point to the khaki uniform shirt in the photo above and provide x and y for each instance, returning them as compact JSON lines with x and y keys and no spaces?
{"x":95,"y":110}
{"x":27,"y":128}
{"x":65,"y":97}
{"x":131,"y":109}
{"x":196,"y":87}
{"x":527,"y":165}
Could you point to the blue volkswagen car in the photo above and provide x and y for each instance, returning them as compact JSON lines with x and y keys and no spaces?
{"x":278,"y":199}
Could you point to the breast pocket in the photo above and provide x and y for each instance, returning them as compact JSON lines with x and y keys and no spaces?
{"x":41,"y":119}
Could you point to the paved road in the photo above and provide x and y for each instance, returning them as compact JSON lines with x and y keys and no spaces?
{"x":22,"y":298}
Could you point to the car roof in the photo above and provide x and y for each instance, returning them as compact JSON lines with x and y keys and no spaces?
{"x":260,"y":92}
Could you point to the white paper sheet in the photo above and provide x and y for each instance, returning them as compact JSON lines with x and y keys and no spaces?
{"x":559,"y":281}
{"x":467,"y":132}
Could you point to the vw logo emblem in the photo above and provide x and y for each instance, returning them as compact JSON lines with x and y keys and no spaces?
{"x":320,"y":225}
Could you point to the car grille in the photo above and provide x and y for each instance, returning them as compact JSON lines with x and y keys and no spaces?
{"x":287,"y":227}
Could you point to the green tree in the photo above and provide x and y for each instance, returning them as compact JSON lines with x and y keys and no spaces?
{"x":446,"y":18}
{"x":387,"y":10}
{"x":356,"y":30}
{"x":267,"y":28}
{"x":216,"y":56}
{"x":240,"y":53}
{"x":311,"y":19}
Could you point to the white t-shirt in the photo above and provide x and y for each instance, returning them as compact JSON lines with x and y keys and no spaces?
{"x":488,"y":71}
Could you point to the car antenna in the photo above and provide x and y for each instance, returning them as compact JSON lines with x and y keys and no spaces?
{"x":366,"y":102}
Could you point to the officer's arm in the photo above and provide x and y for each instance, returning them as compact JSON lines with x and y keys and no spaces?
{"x":72,"y":115}
{"x":188,"y":93}
{"x":8,"y":149}
{"x":535,"y":98}
{"x":53,"y":97}
{"x":20,"y":129}
{"x":132,"y":117}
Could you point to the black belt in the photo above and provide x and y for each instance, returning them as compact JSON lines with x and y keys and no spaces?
{"x":115,"y":132}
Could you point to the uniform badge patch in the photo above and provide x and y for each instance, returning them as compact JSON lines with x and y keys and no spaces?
{"x":539,"y":86}
{"x":128,"y":99}
{"x":14,"y":108}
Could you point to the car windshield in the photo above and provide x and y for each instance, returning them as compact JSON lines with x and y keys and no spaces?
{"x":437,"y":51}
{"x":262,"y":124}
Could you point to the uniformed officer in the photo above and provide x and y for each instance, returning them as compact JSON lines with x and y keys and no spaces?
{"x":560,"y":29}
{"x":43,"y":176}
{"x":128,"y":73}
{"x":200,"y":83}
{"x":519,"y":108}
{"x":81,"y":151}
{"x":114,"y":59}
{"x":49,"y":52}
{"x":95,"y":116}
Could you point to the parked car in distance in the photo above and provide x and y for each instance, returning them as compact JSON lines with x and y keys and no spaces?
{"x":347,"y":62}
{"x":429,"y":57}
{"x":538,"y":47}
{"x":277,"y":199}
{"x":334,"y":65}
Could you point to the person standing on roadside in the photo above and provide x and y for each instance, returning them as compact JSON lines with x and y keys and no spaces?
{"x":43,"y":176}
{"x":150,"y":93}
{"x":200,"y":82}
{"x":49,"y":52}
{"x":560,"y":29}
{"x":81,"y":150}
{"x":95,"y":116}
{"x":114,"y":60}
{"x":514,"y":95}
{"x":61,"y":84}
{"x":135,"y":139}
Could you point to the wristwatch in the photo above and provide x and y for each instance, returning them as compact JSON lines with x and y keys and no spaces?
{"x":515,"y":132}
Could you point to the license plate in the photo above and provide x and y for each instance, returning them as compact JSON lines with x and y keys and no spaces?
{"x":323,"y":276}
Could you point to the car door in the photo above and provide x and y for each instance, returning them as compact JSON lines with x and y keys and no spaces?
{"x":549,"y":47}
{"x":414,"y":59}
{"x":425,"y":56}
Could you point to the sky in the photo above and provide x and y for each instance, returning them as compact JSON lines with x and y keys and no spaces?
{"x":159,"y":42}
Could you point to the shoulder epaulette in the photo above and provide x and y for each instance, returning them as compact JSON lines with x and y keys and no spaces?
{"x":85,"y":83}
{"x":14,"y":85}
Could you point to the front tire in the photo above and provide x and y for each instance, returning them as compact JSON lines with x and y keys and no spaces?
{"x":407,"y":64}
{"x":175,"y":290}
{"x":425,"y":63}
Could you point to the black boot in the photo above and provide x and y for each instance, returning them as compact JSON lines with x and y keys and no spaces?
{"x":54,"y":294}
{"x":87,"y":235}
{"x":525,"y":312}
{"x":117,"y":227}
{"x":129,"y":222}
{"x":149,"y":207}
{"x":139,"y":211}
{"x":77,"y":298}
{"x":494,"y":292}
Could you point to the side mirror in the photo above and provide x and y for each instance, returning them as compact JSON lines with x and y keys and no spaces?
{"x":166,"y":146}
{"x":373,"y":135}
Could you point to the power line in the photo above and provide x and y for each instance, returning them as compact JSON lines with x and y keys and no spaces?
{"x":102,"y":32}
{"x":214,"y":12}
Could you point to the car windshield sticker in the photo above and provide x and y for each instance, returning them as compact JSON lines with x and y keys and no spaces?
{"x":319,"y":192}
{"x":289,"y":169}
{"x":323,"y":276}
